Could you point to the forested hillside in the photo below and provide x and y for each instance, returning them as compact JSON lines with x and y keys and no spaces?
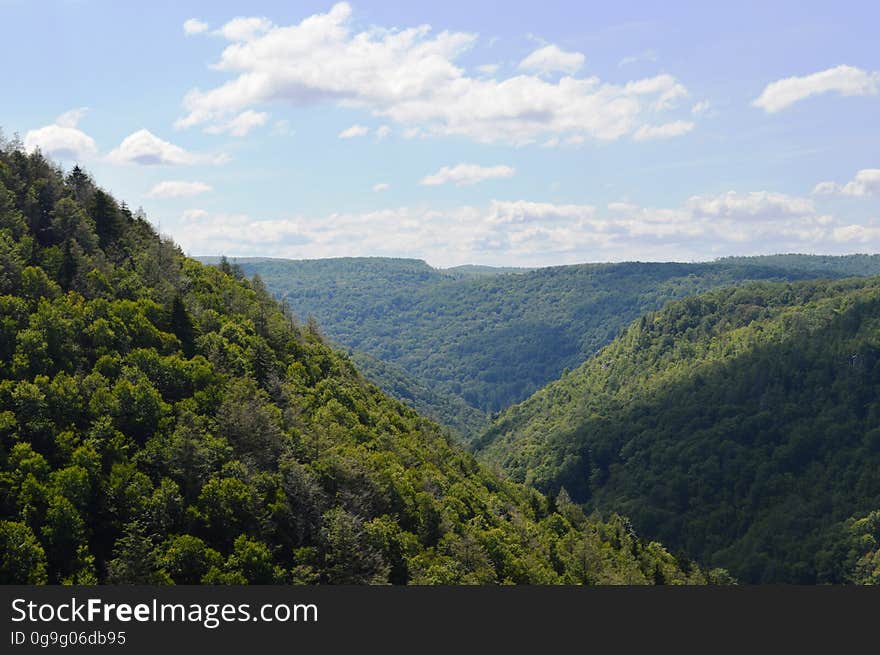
{"x":492,"y":339}
{"x":446,"y":408}
{"x":162,"y":421}
{"x":817,"y":265}
{"x":741,"y":426}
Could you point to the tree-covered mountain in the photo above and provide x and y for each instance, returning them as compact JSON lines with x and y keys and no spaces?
{"x":829,"y":266}
{"x":162,"y":421}
{"x":741,"y":426}
{"x":494,"y":339}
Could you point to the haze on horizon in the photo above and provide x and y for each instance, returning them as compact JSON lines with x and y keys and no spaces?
{"x":538,"y":135}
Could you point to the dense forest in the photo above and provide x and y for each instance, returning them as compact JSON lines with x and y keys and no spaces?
{"x":448,"y":409}
{"x":491,"y":337}
{"x":741,"y":426}
{"x":163,"y":421}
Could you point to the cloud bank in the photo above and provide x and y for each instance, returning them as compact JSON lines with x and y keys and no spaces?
{"x":525,"y":232}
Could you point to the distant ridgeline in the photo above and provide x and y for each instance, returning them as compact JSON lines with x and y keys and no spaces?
{"x":458,"y":344}
{"x":162,"y":421}
{"x":741,"y":426}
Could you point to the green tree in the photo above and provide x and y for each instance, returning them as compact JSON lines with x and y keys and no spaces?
{"x":135,"y":560}
{"x":22,"y":559}
{"x":349,"y":556}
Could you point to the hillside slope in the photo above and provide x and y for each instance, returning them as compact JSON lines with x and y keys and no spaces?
{"x":445,"y":408}
{"x":742,"y":426}
{"x":162,"y":421}
{"x":493,"y":340}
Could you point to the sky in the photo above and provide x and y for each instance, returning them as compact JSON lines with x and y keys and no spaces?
{"x":482,"y":132}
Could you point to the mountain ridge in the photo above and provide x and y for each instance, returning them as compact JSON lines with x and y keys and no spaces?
{"x":492,"y":340}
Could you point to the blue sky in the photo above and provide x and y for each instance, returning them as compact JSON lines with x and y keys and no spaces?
{"x":481,"y":132}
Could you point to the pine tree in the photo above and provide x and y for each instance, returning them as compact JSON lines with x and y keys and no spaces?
{"x":108,"y":220}
{"x":182,"y":325}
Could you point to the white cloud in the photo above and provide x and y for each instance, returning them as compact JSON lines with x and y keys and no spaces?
{"x":354,"y":131}
{"x":383,"y":132}
{"x":522,"y":211}
{"x":194,"y":26}
{"x":245,"y":28}
{"x":845,"y":80}
{"x":144,"y":147}
{"x":488,"y":69}
{"x":178,"y":189}
{"x":664,"y":86}
{"x":701,"y":107}
{"x":71,"y":117}
{"x":410,"y":77}
{"x":465,"y":174}
{"x":858,"y":233}
{"x":240,"y":125}
{"x":746,"y":207}
{"x":665,"y":131}
{"x":62,"y":139}
{"x":238,"y":233}
{"x":825,"y":189}
{"x":382,"y":186}
{"x":551,"y":59}
{"x":865,"y":183}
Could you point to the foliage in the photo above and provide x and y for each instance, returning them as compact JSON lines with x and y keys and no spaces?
{"x":739,"y":426}
{"x":487,"y":338}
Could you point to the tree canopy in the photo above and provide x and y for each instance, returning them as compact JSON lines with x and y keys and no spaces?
{"x":461,"y":343}
{"x":740,"y":426}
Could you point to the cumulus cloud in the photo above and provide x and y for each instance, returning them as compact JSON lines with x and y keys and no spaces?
{"x":62,"y":139}
{"x":551,"y":59}
{"x":825,"y":189}
{"x":144,"y":147}
{"x":240,"y":125}
{"x":865,"y":183}
{"x":667,"y":90}
{"x":861,"y":234}
{"x":194,"y":26}
{"x":245,"y":28}
{"x":178,"y":189}
{"x":382,"y":186}
{"x":757,"y":205}
{"x":354,"y":131}
{"x":665,"y":131}
{"x":466,"y":174}
{"x":383,"y":132}
{"x":411,"y":77}
{"x":845,"y":80}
